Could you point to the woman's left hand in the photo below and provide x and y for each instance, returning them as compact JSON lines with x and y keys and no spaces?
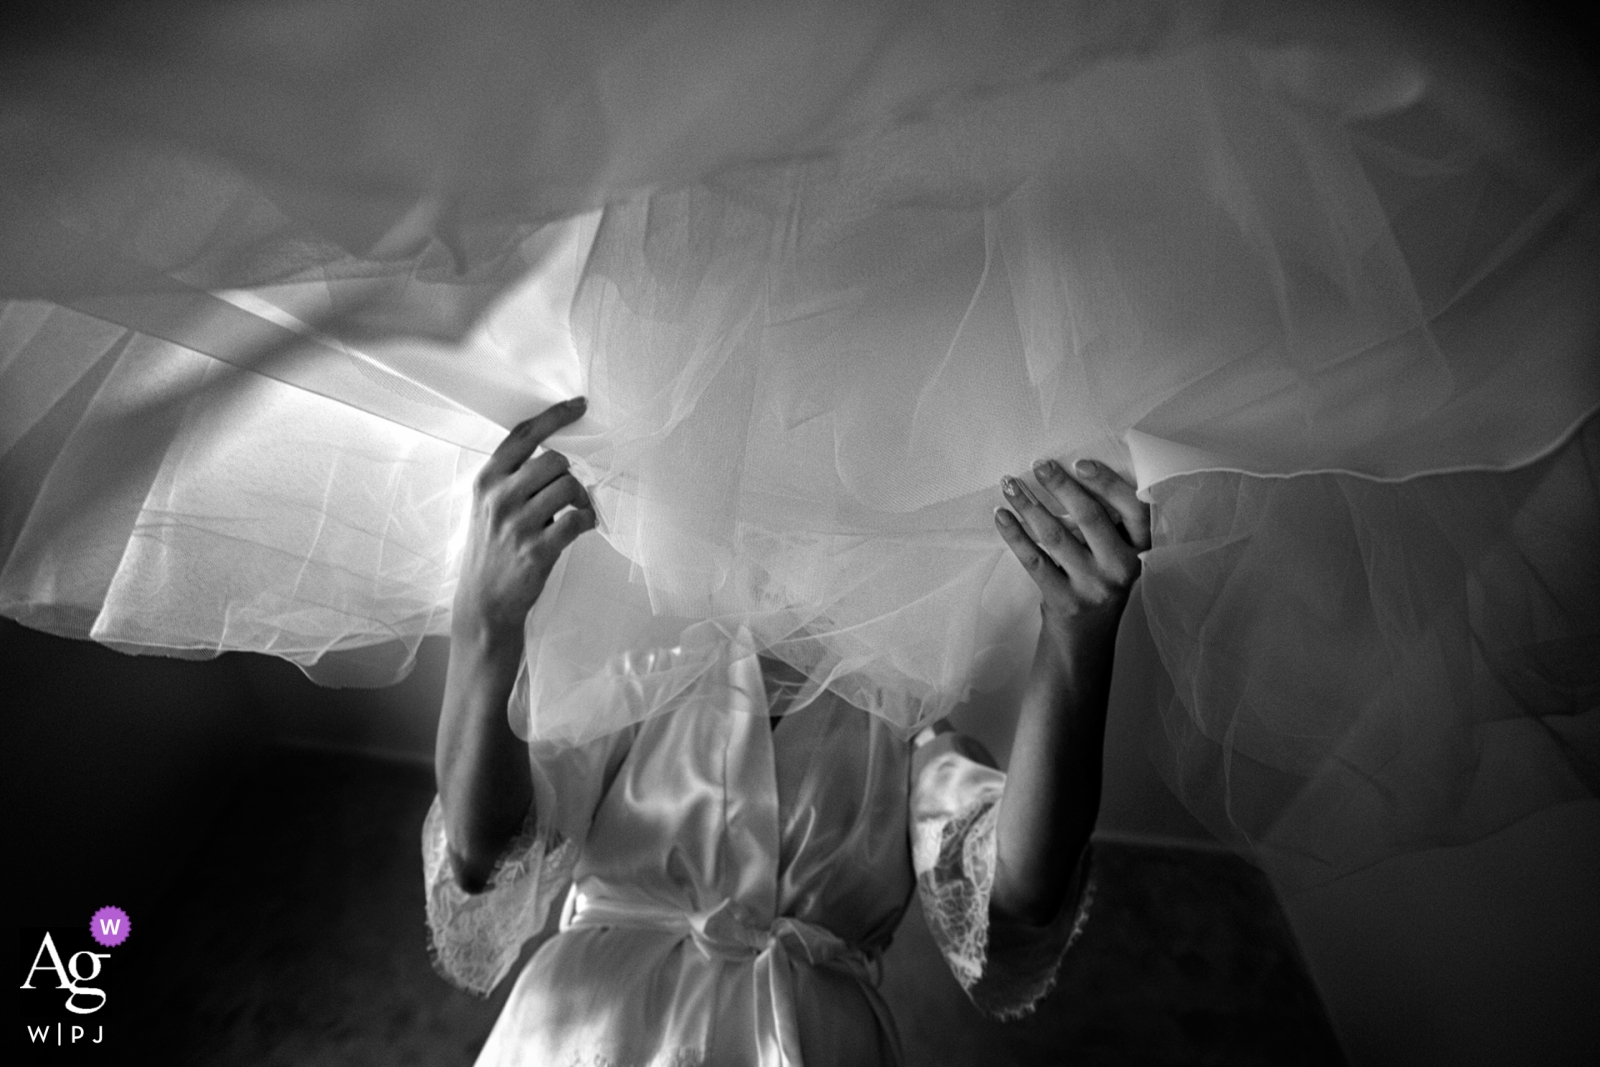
{"x":1079,"y":538}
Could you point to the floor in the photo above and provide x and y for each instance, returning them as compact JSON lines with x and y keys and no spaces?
{"x":298,"y":939}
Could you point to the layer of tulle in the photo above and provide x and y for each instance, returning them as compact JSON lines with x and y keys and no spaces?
{"x":1353,"y":668}
{"x":245,"y":406}
{"x":242,"y":143}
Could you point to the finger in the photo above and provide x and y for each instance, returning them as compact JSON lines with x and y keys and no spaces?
{"x":1120,"y":496}
{"x":564,"y":492}
{"x":1053,"y":585}
{"x":566,"y":529}
{"x":527,"y":436}
{"x":1111,"y":549}
{"x":1047,"y":532}
{"x":1058,"y":513}
{"x":533,"y":476}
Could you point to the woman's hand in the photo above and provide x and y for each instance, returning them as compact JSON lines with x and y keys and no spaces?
{"x":515,"y":536}
{"x":1080,"y":540}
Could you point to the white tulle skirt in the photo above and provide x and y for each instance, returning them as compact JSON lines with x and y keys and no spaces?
{"x":1321,"y":282}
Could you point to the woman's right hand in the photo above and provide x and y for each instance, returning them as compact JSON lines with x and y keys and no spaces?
{"x":515,"y":535}
{"x":514,"y":539}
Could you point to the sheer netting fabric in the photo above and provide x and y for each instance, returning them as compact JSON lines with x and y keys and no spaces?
{"x":1319,"y":279}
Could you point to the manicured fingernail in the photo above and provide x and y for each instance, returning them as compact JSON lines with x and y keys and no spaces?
{"x":578,"y":403}
{"x":1085,"y":467}
{"x":1009,"y":486}
{"x":1046,"y":467}
{"x":1002,"y":516}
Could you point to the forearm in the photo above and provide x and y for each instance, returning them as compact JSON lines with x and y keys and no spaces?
{"x":1052,"y":792}
{"x":526,"y":509}
{"x":485,"y":785}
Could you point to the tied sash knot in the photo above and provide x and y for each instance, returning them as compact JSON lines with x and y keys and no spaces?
{"x":730,"y":934}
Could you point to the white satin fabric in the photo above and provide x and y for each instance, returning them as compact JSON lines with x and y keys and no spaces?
{"x":772,"y":952}
{"x":733,"y":883}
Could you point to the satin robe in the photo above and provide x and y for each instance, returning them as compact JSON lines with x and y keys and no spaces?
{"x":735,"y":884}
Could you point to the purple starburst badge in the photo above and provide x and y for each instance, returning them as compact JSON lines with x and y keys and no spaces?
{"x":109,"y":926}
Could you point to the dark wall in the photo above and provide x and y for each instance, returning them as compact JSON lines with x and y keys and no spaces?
{"x":114,"y":767}
{"x":117,"y":766}
{"x":396,"y":722}
{"x":1482,"y":954}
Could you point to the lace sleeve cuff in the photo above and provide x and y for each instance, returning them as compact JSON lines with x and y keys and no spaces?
{"x":1022,"y":960}
{"x":475,"y":938}
{"x":1005,"y":967}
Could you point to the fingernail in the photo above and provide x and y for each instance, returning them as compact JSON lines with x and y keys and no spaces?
{"x":1046,"y":466}
{"x":1085,"y":467}
{"x":1008,"y":486}
{"x":578,"y":403}
{"x":1002,"y":516}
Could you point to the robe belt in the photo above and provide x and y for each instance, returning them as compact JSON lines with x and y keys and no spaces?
{"x":729,"y":933}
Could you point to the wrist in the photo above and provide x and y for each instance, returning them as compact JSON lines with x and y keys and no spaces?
{"x":481,"y":634}
{"x":1078,"y":652}
{"x":1085,"y":635}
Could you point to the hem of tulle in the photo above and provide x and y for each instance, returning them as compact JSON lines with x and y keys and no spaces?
{"x":1560,"y":440}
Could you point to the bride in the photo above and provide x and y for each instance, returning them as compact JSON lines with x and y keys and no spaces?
{"x":736,"y":873}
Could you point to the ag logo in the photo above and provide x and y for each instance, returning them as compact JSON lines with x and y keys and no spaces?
{"x":70,"y":976}
{"x":64,"y":980}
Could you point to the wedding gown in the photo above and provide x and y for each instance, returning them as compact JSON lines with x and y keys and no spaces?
{"x":732,"y":886}
{"x":1319,"y":279}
